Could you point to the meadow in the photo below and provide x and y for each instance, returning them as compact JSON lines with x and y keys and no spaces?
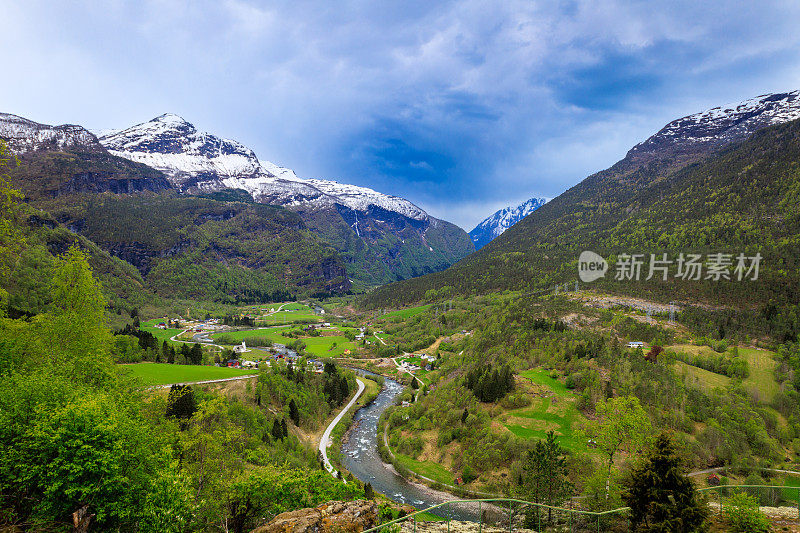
{"x":153,"y":374}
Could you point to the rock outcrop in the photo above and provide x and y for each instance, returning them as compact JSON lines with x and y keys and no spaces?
{"x":330,"y":517}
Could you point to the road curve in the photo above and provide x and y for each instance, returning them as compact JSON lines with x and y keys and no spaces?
{"x":324,"y":441}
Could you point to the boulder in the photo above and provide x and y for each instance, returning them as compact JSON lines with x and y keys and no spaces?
{"x":330,"y":517}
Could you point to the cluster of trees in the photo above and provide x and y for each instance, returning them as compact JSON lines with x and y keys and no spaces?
{"x":132,"y":345}
{"x":336,"y":385}
{"x":239,"y":320}
{"x":489,"y":383}
{"x":306,"y":398}
{"x":733,"y":367}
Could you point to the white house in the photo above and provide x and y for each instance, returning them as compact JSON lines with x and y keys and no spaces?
{"x":240,"y":349}
{"x":635,"y":344}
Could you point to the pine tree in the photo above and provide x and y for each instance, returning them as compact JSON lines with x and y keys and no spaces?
{"x":196,"y":354}
{"x":181,"y":402}
{"x":284,"y":429}
{"x":294,"y":414}
{"x":369,"y":493}
{"x":277,"y":432}
{"x":544,"y":477}
{"x":464,"y":415}
{"x":660,"y":495}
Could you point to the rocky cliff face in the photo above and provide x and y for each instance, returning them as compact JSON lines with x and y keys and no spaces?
{"x":330,"y":517}
{"x":718,"y":127}
{"x":67,"y":159}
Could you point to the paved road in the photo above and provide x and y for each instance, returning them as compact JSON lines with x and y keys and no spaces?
{"x":324,"y":441}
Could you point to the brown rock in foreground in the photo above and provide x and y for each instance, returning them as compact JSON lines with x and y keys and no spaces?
{"x":330,"y":517}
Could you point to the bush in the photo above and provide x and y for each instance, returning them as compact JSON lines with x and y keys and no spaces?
{"x":744,"y":516}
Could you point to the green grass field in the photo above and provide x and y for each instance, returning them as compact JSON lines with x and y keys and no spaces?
{"x":405,"y":313}
{"x":762,"y":372}
{"x":322,"y":346}
{"x":290,"y":317}
{"x":701,"y":378}
{"x":164,"y":374}
{"x":160,"y":334}
{"x":761,"y":364}
{"x":428,"y":469}
{"x":558,"y":414}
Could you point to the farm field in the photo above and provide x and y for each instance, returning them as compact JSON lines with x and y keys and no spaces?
{"x":405,"y":313}
{"x":165,"y":374}
{"x":160,"y":334}
{"x":761,"y":364}
{"x":323,"y":346}
{"x":289,"y":317}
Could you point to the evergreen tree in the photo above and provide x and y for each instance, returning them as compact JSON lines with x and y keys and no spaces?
{"x":171,"y":355}
{"x":196,"y":354}
{"x":544,"y":478}
{"x":277,"y":431}
{"x":464,"y":415}
{"x":369,"y":493}
{"x":181,"y":402}
{"x":284,"y":429}
{"x":294,"y":414}
{"x":185,"y":354}
{"x":660,"y":495}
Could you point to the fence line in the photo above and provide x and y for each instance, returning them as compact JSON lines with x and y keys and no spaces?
{"x":591,"y":519}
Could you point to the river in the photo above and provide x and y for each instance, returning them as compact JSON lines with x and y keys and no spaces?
{"x":360,"y":457}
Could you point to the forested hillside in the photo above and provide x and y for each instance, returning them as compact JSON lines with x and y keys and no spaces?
{"x":192,"y":247}
{"x":743,"y":199}
{"x":81,"y":441}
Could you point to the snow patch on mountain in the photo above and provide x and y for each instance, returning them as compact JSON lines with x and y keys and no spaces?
{"x":25,"y":135}
{"x":722,"y":125}
{"x":192,"y":158}
{"x":494,"y":226}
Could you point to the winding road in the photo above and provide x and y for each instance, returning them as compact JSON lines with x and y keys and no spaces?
{"x":324,"y":442}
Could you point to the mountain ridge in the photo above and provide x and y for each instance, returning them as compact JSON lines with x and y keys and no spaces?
{"x":656,"y":201}
{"x":382,"y":237}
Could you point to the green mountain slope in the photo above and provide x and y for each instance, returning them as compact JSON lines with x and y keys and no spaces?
{"x":203,"y":248}
{"x":742,"y":199}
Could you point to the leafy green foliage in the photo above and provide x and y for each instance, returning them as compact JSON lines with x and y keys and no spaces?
{"x":192,"y":247}
{"x":744,"y":516}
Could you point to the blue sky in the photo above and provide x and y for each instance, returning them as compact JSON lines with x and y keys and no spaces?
{"x":462,"y":107}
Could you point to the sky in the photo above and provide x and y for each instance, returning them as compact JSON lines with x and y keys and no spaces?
{"x":462,"y":107}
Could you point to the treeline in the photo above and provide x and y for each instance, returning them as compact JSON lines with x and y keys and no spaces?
{"x":488,"y":383}
{"x":733,"y":367}
{"x":132,"y":345}
{"x":255,"y":340}
{"x":238,"y":320}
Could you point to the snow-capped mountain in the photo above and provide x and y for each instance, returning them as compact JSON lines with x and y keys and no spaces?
{"x":382,"y":237}
{"x":719,"y":126}
{"x":196,"y":160}
{"x":25,"y":135}
{"x":495,"y":225}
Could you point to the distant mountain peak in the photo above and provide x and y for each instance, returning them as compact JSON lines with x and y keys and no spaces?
{"x":494,"y":226}
{"x":198,"y":160}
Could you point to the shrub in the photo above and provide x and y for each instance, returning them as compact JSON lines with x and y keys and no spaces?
{"x":744,"y":516}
